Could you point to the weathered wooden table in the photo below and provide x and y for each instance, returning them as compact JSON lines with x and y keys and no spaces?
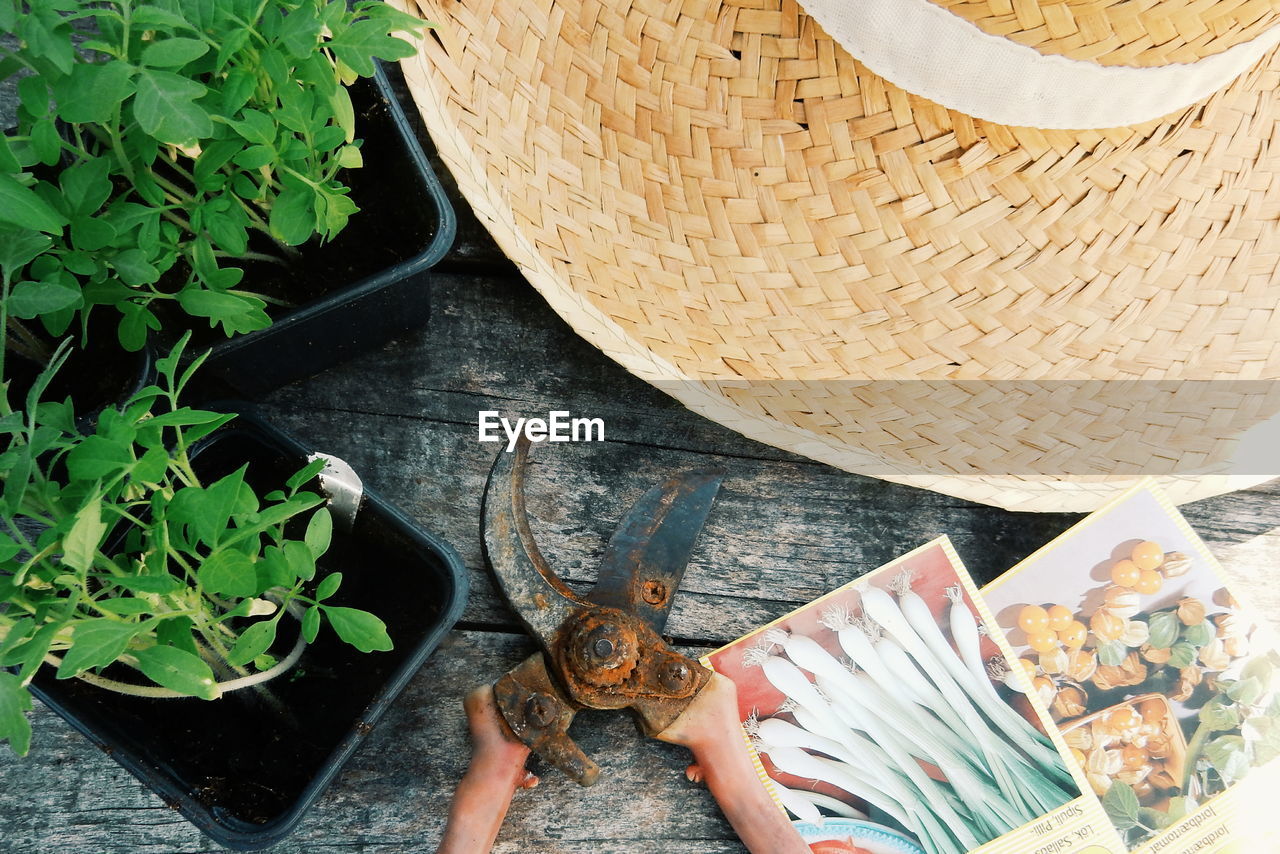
{"x":783,"y":531}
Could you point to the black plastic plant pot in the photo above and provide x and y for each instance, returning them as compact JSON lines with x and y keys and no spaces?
{"x":95,"y":376}
{"x":246,"y":767}
{"x":405,"y":226}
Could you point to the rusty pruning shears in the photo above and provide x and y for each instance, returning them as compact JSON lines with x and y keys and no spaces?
{"x":603,"y":651}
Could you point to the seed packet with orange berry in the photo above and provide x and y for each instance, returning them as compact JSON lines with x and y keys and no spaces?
{"x":1164,"y":686}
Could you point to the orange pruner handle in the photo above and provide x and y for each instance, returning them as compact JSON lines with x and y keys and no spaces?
{"x":710,"y":728}
{"x":495,"y":773}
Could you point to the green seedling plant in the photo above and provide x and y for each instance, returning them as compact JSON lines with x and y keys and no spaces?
{"x":1236,"y":730}
{"x":181,"y":139}
{"x":121,"y":566}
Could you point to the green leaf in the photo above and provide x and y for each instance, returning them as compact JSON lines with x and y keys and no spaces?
{"x":216,"y":506}
{"x":350,"y":158}
{"x":81,"y":544}
{"x":91,"y":234}
{"x":8,"y":160}
{"x":232,"y":44}
{"x":176,"y":632}
{"x":344,"y":112}
{"x":128,"y":607}
{"x":91,"y":92}
{"x":166,"y":107}
{"x":253,"y":642}
{"x":256,"y":126}
{"x":255,"y":157}
{"x":1261,"y":668}
{"x":202,"y":303}
{"x":86,"y":185}
{"x":96,"y":643}
{"x":1228,"y":756}
{"x":336,"y":209}
{"x":151,"y":466}
{"x":300,"y":561}
{"x":31,"y":654}
{"x":359,"y":628}
{"x":98,"y":457}
{"x":135,"y":268}
{"x":213,"y":158}
{"x":273,"y":569}
{"x":1164,"y":628}
{"x":1263,"y":734}
{"x":135,"y":320}
{"x":174,"y":52}
{"x":300,"y":32}
{"x":292,"y":218}
{"x":1121,"y":805}
{"x":1219,"y":715}
{"x":366,"y":39}
{"x":45,"y":142}
{"x":228,"y":572}
{"x":19,"y":631}
{"x":23,"y":207}
{"x":47,"y":37}
{"x":229,"y":232}
{"x":18,"y":246}
{"x":237,"y":89}
{"x":161,"y":584}
{"x":15,"y":702}
{"x":311,"y":624}
{"x":329,"y":586}
{"x":147,"y":16}
{"x":1246,"y":691}
{"x":319,"y":532}
{"x":178,"y":670}
{"x":32,"y":299}
{"x":9,"y":547}
{"x":306,"y":473}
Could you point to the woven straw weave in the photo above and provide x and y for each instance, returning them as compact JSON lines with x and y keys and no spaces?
{"x":712,"y":192}
{"x":1141,"y":33}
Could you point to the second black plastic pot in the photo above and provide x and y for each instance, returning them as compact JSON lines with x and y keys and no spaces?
{"x":404,"y":214}
{"x":246,"y":767}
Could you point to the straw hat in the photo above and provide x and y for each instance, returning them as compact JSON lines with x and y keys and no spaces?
{"x":731,"y":204}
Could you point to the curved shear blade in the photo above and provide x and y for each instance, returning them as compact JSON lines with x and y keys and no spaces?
{"x":647,"y":555}
{"x":539,"y":598}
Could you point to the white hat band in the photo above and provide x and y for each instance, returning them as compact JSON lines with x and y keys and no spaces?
{"x":933,"y":53}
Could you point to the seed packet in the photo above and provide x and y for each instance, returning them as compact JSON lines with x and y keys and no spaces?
{"x":891,"y":715}
{"x":1170,"y":705}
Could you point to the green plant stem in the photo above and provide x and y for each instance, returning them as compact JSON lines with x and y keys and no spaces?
{"x":158,"y":692}
{"x":253,"y":256}
{"x":5,"y":409}
{"x":255,"y":219}
{"x":180,"y":222}
{"x":217,"y":661}
{"x":24,"y":342}
{"x":1194,"y":748}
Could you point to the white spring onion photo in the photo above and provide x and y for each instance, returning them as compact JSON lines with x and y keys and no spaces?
{"x":908,"y":729}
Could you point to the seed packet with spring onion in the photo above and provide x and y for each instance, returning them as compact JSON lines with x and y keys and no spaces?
{"x":1169,"y":694}
{"x":893,"y":708}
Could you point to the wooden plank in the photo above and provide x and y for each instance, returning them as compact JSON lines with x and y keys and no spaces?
{"x":394,"y":795}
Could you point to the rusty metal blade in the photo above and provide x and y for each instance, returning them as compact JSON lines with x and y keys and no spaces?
{"x":647,"y":555}
{"x":539,"y":598}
